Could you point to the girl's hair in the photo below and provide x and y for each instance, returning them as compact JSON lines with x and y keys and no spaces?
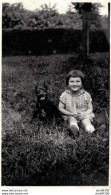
{"x":75,"y":73}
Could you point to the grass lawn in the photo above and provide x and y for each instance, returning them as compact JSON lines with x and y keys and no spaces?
{"x":40,"y":154}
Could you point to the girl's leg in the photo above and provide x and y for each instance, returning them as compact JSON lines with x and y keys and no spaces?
{"x":73,"y":126}
{"x":87,"y":125}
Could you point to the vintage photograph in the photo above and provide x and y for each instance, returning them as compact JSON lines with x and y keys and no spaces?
{"x":55,"y":93}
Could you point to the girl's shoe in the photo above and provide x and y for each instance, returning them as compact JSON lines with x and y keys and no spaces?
{"x":75,"y":131}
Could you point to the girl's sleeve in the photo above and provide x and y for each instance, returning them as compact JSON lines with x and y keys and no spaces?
{"x":62,"y":98}
{"x":88,"y":96}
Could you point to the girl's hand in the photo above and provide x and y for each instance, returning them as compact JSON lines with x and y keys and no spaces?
{"x":81,"y":115}
{"x":74,"y":115}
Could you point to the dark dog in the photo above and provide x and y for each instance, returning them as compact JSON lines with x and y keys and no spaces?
{"x":45,"y":109}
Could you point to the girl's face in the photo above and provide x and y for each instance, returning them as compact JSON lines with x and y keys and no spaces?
{"x":75,"y":83}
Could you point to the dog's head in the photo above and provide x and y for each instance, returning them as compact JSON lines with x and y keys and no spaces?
{"x":41,"y":92}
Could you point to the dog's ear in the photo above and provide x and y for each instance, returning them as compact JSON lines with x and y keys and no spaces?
{"x":36,"y":89}
{"x":47,"y":84}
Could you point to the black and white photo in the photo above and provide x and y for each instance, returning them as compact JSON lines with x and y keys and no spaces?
{"x":55,"y":93}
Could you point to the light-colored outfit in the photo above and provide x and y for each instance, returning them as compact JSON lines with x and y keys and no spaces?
{"x":76,"y":103}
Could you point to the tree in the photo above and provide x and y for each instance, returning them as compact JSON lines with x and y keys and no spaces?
{"x":88,"y":12}
{"x":47,"y":17}
{"x":14,"y":16}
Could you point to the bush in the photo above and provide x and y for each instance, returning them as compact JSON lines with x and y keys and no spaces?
{"x":18,"y":42}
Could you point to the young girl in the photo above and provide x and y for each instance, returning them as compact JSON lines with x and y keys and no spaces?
{"x":76,"y":103}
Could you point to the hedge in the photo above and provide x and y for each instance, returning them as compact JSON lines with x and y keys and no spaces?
{"x":44,"y":42}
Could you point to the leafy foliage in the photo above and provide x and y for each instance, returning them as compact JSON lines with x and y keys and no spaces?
{"x":14,"y":16}
{"x":87,"y":7}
